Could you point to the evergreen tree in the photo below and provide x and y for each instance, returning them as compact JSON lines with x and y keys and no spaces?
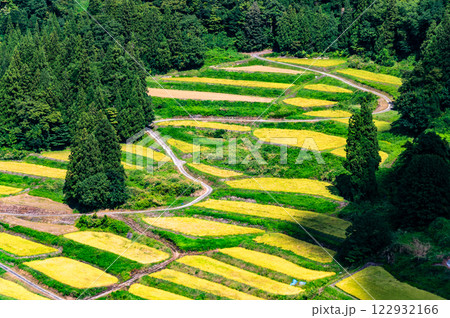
{"x":253,"y":37}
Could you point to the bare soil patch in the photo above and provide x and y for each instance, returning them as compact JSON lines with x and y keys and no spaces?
{"x":55,"y":229}
{"x":28,"y":204}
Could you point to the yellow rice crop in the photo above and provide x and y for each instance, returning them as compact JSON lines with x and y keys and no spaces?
{"x":381,"y":125}
{"x":32,"y":169}
{"x":327,"y":88}
{"x":201,"y":284}
{"x":154,"y":293}
{"x":305,"y":186}
{"x":185,"y":146}
{"x":73,"y":273}
{"x":203,"y":124}
{"x":222,"y":81}
{"x":199,"y":227}
{"x":375,"y":282}
{"x":308,"y":102}
{"x":144,"y":152}
{"x":119,"y":245}
{"x":13,"y":290}
{"x":310,"y":62}
{"x":375,"y":77}
{"x":223,"y":173}
{"x":5,"y":190}
{"x":307,"y":139}
{"x":302,"y":248}
{"x":320,"y":222}
{"x":22,"y":247}
{"x":58,"y":155}
{"x":328,"y":113}
{"x":275,"y":263}
{"x":341,"y":153}
{"x":237,"y":274}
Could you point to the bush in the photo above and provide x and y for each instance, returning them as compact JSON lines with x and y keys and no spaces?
{"x":439,"y":230}
{"x":12,"y":154}
{"x":105,"y":223}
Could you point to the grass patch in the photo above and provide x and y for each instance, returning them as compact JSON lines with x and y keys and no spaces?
{"x":204,"y":124}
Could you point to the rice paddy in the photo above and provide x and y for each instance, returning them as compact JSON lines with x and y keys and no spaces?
{"x":328,"y":113}
{"x":222,"y":81}
{"x":62,"y":155}
{"x":263,"y":69}
{"x":16,"y":291}
{"x":381,"y":125}
{"x":5,"y":190}
{"x":119,"y":245}
{"x":375,"y":77}
{"x":153,"y":293}
{"x":201,"y":284}
{"x":22,"y":247}
{"x":223,"y":173}
{"x":308,"y":102}
{"x":204,"y":124}
{"x":310,"y":62}
{"x":275,"y":263}
{"x":32,"y":169}
{"x":73,"y":273}
{"x":327,"y":88}
{"x":186,"y":147}
{"x":237,"y":274}
{"x":144,"y":152}
{"x":199,"y":227}
{"x":341,"y":153}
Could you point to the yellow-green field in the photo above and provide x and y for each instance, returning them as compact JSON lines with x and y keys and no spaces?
{"x":375,"y":77}
{"x":213,"y":266}
{"x":307,"y":139}
{"x":381,"y":125}
{"x":222,"y":81}
{"x":328,"y":113}
{"x":319,"y":222}
{"x":5,"y":190}
{"x":275,"y":263}
{"x":32,"y":169}
{"x":201,"y":284}
{"x":327,"y":88}
{"x":264,"y":69}
{"x":186,"y":147}
{"x":305,"y":186}
{"x":73,"y":273}
{"x":119,"y":245}
{"x":309,"y":62}
{"x":203,"y":124}
{"x":308,"y":102}
{"x":13,"y":290}
{"x":144,"y":152}
{"x":199,"y":227}
{"x":22,"y":247}
{"x":375,"y":282}
{"x":153,"y":293}
{"x":301,"y":248}
{"x":341,"y":153}
{"x":223,"y":173}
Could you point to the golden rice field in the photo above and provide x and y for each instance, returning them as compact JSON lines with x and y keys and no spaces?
{"x":239,"y":275}
{"x":144,"y":152}
{"x":301,"y":248}
{"x":310,"y":62}
{"x":264,"y":69}
{"x":307,"y":139}
{"x":341,"y":153}
{"x":119,"y":245}
{"x":62,"y":155}
{"x":375,"y":77}
{"x":376,"y":283}
{"x":329,"y":113}
{"x":308,"y":102}
{"x":201,"y":284}
{"x":151,"y":293}
{"x":222,"y":81}
{"x":327,"y":88}
{"x":319,"y":222}
{"x":32,"y":169}
{"x":223,"y":173}
{"x":275,"y":263}
{"x":305,"y":186}
{"x":186,"y":147}
{"x":199,"y":227}
{"x":22,"y":247}
{"x":73,"y":273}
{"x":204,"y":124}
{"x":5,"y":190}
{"x":381,"y":125}
{"x":14,"y":290}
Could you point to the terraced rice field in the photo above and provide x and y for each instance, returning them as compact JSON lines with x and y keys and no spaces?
{"x":310,"y":62}
{"x":381,"y":125}
{"x":237,"y":274}
{"x":305,"y":186}
{"x":328,"y":113}
{"x":62,"y":155}
{"x":119,"y":245}
{"x":204,"y":124}
{"x":14,"y":290}
{"x":263,"y":69}
{"x":179,"y":94}
{"x":275,"y":263}
{"x":341,"y":153}
{"x":222,"y":81}
{"x":21,"y":247}
{"x":375,"y":77}
{"x":376,"y":283}
{"x":319,"y":222}
{"x":327,"y":88}
{"x":73,"y":273}
{"x":199,"y":227}
{"x":308,"y":102}
{"x":153,"y":293}
{"x":307,"y":139}
{"x":56,"y":229}
{"x":186,"y":147}
{"x":201,"y":284}
{"x":144,"y":152}
{"x":5,"y":190}
{"x":32,"y":169}
{"x":223,"y":173}
{"x":301,"y":248}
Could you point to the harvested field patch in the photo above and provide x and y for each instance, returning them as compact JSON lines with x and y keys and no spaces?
{"x":327,"y":88}
{"x":223,"y":173}
{"x":375,"y":77}
{"x":144,"y":152}
{"x":56,"y":229}
{"x":62,"y":155}
{"x":22,"y":247}
{"x":26,"y":202}
{"x":201,"y":284}
{"x":73,"y":273}
{"x":275,"y":263}
{"x":204,"y":124}
{"x":381,"y":285}
{"x":310,"y":62}
{"x":32,"y":169}
{"x":263,"y":69}
{"x":328,"y":113}
{"x":199,"y":227}
{"x":186,"y":147}
{"x":308,"y":102}
{"x":174,"y":93}
{"x":237,"y":274}
{"x":381,"y":125}
{"x":222,"y":81}
{"x":16,"y":291}
{"x":119,"y":245}
{"x":154,"y":293}
{"x":5,"y":190}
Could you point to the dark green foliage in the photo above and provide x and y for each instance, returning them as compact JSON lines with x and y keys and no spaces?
{"x":439,"y":231}
{"x":121,"y":295}
{"x":105,"y":224}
